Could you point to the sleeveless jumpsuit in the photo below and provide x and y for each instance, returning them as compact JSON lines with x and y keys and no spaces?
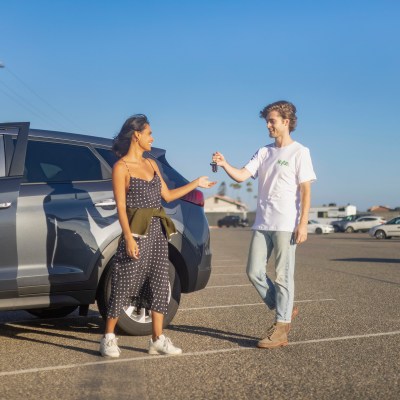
{"x":142,"y":282}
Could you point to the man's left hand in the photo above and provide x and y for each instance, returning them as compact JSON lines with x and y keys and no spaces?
{"x":300,"y":233}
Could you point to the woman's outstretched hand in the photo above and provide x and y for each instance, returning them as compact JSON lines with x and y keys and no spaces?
{"x":205,"y":183}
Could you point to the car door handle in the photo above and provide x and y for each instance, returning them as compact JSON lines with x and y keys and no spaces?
{"x":106,"y":203}
{"x":5,"y":205}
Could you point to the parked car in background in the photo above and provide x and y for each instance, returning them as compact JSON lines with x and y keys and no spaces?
{"x":232,"y":220}
{"x":386,"y":231}
{"x":59,"y":227}
{"x":339,"y":225}
{"x":363,"y":223}
{"x":315,"y":227}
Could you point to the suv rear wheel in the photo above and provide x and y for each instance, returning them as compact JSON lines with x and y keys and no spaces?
{"x":133,"y":321}
{"x":349,"y":229}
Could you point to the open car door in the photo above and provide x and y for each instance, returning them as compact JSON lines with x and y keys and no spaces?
{"x":13,"y":142}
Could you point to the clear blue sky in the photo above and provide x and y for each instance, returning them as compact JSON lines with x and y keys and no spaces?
{"x":202,"y":71}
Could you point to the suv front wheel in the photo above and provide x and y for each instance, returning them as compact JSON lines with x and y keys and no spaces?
{"x":133,"y":321}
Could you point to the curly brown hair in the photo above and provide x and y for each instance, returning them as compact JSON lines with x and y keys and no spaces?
{"x":285,"y":109}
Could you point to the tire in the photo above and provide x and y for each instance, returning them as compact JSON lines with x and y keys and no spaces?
{"x":380,"y":234}
{"x":349,"y":229}
{"x":58,"y":312}
{"x":336,"y":229}
{"x":318,"y":231}
{"x":130,"y":321}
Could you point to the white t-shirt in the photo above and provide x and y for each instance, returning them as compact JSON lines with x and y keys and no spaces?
{"x":280,"y":170}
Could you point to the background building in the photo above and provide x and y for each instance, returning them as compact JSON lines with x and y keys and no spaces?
{"x":217,"y":206}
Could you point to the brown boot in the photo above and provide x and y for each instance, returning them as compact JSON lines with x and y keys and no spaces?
{"x":295,"y":313}
{"x":276,"y":337}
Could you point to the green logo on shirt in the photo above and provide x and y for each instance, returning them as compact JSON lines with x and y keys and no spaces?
{"x":283,"y":163}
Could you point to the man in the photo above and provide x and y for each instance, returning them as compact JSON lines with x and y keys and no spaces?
{"x":285,"y":172}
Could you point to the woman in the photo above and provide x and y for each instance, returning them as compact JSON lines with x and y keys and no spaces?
{"x":140,"y":270}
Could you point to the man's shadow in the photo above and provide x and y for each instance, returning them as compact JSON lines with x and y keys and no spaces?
{"x":237,"y":338}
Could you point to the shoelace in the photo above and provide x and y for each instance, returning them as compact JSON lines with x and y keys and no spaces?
{"x":112,"y":343}
{"x":167,"y":343}
{"x":271,"y":330}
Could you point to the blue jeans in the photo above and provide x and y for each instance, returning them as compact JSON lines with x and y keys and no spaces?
{"x":279,"y":296}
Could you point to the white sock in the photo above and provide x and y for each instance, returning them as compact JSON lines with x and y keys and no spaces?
{"x":109,"y":336}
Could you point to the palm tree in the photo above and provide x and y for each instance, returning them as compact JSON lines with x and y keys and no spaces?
{"x":221,"y":189}
{"x":249,"y":190}
{"x":236,"y":186}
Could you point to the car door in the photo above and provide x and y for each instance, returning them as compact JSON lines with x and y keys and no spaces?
{"x":66,"y":215}
{"x":361,"y":223}
{"x":371,"y":222}
{"x":12,"y":157}
{"x":393,"y":227}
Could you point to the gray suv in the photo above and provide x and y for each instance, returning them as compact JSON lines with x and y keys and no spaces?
{"x":59,"y":227}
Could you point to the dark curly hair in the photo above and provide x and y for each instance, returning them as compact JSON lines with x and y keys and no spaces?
{"x":285,"y":109}
{"x":122,"y":141}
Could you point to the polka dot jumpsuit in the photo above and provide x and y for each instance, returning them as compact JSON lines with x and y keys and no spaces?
{"x":142,"y":282}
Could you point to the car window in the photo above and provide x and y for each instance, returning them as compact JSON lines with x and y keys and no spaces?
{"x":171,"y":177}
{"x":108,"y":156}
{"x":60,"y":162}
{"x":2,"y":157}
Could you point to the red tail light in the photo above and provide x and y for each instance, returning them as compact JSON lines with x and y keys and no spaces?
{"x":195,"y":197}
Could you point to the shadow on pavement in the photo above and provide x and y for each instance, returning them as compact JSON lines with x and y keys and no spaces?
{"x":241,"y":340}
{"x":377,"y":260}
{"x":365,"y":277}
{"x":37,"y":331}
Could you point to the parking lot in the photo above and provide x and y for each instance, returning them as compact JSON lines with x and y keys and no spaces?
{"x":343,"y":345}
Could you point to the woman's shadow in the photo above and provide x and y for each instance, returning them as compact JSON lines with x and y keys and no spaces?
{"x":78,"y":329}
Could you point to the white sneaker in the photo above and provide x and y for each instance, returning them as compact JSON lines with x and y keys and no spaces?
{"x":109,"y":347}
{"x":163,"y":345}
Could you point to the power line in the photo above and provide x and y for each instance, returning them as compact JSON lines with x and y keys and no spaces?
{"x":16,"y":100}
{"x":42,"y":99}
{"x":25,"y":103}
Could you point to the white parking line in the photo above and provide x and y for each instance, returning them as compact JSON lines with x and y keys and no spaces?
{"x":248,"y":305}
{"x":190,"y":354}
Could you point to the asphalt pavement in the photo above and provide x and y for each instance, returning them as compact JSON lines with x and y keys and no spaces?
{"x":344,"y":344}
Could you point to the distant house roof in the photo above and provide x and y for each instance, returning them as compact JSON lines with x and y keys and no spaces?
{"x":210,"y":201}
{"x":379,"y":208}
